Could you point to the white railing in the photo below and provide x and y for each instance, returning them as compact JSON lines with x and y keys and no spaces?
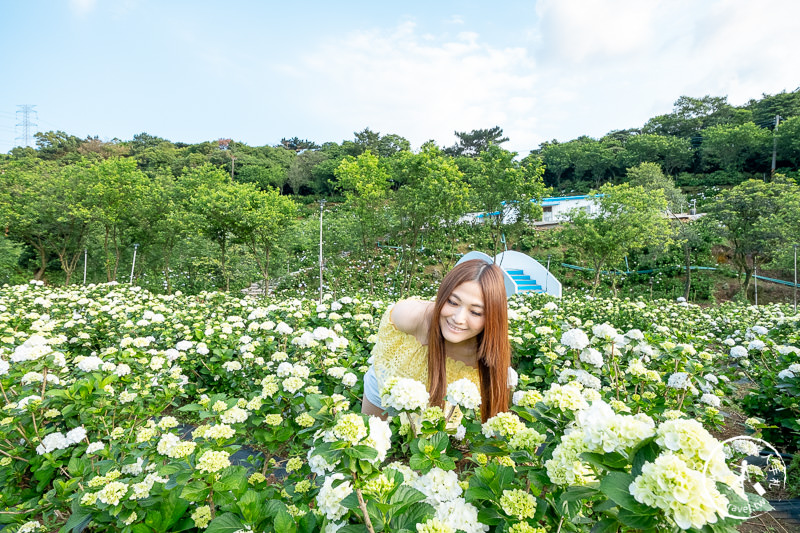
{"x":511,"y":260}
{"x":511,"y":285}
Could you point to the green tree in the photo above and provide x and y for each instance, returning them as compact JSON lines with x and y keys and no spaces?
{"x":217,"y":204}
{"x":380,"y":145}
{"x":499,"y":184}
{"x":47,"y":209}
{"x":788,"y":141}
{"x":595,"y":161}
{"x":434,"y":195}
{"x":55,"y":145}
{"x":300,"y":171}
{"x":264,"y":218}
{"x":650,"y":177}
{"x":748,"y":218}
{"x":116,"y":194}
{"x":476,"y":141}
{"x":627,"y":218}
{"x":674,"y":154}
{"x":735,"y":147}
{"x":70,"y":215}
{"x":691,"y":115}
{"x":265,"y":167}
{"x":784,"y":104}
{"x":558,"y":159}
{"x":365,"y":183}
{"x":166,"y":216}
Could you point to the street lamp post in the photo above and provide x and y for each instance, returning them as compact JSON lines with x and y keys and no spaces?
{"x":85,"y":256}
{"x":795,"y":278}
{"x":321,"y":206}
{"x":133,"y":264}
{"x":755,"y":279}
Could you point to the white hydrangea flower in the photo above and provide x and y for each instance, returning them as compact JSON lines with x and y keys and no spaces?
{"x":669,"y":484}
{"x":329,"y":498}
{"x":605,"y":331}
{"x":575,"y":338}
{"x":710,"y":399}
{"x":76,"y":435}
{"x":438,"y":486}
{"x":404,"y":394}
{"x":90,"y":364}
{"x":513,"y":378}
{"x":464,"y":393}
{"x":592,"y":357}
{"x":679,"y":380}
{"x":460,"y":516}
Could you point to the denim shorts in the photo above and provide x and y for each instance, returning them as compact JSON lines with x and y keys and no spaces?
{"x":372,"y":393}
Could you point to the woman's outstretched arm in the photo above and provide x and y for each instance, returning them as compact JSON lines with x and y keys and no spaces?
{"x":370,"y":409}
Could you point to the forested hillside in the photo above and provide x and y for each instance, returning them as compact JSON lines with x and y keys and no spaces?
{"x":221,"y":214}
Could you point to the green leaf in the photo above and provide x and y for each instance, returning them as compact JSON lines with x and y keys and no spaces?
{"x":637,"y":520}
{"x":233,"y":478}
{"x":647,"y":453}
{"x":196,"y":491}
{"x":615,"y":486}
{"x":606,"y":461}
{"x":284,"y":523}
{"x":308,"y":523}
{"x":606,"y":525}
{"x":168,"y":470}
{"x":191,"y":407}
{"x":353,"y":528}
{"x":440,"y":441}
{"x":490,"y":516}
{"x":77,"y":521}
{"x":366,"y":453}
{"x":251,"y":506}
{"x":572,"y":500}
{"x":404,"y":497}
{"x":415,"y":514}
{"x":420,"y":462}
{"x":350,"y":501}
{"x":578,"y":493}
{"x":173,"y":508}
{"x":225,"y":523}
{"x":153,"y":519}
{"x":477,"y":494}
{"x":445,"y":462}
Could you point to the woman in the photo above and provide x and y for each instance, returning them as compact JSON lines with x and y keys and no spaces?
{"x":463,"y":334}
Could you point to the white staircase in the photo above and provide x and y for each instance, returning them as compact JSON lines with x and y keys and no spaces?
{"x":521,"y":273}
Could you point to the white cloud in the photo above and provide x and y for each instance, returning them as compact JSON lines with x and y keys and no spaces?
{"x":399,"y":81}
{"x":585,"y":67}
{"x":82,"y":6}
{"x":614,"y":64}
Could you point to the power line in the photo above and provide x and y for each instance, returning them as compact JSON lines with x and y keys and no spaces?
{"x":26,"y":110}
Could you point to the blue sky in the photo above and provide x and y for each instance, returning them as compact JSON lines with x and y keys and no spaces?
{"x":255,"y":71}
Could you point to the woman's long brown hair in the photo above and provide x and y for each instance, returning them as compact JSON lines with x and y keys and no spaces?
{"x":493,"y":348}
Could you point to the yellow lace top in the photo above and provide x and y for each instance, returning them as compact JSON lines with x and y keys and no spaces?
{"x":400,"y":354}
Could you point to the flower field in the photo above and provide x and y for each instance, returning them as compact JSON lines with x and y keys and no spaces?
{"x":124,"y":410}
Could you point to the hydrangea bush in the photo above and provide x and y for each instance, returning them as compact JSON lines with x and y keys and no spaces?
{"x":129,"y":411}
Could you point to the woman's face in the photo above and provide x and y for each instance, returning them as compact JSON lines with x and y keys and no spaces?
{"x":463,"y":314}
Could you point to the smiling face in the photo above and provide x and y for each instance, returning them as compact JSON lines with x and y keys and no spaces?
{"x":463,"y":315}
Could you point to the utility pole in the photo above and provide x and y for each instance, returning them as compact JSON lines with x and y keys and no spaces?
{"x":774,"y":145}
{"x":26,"y":110}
